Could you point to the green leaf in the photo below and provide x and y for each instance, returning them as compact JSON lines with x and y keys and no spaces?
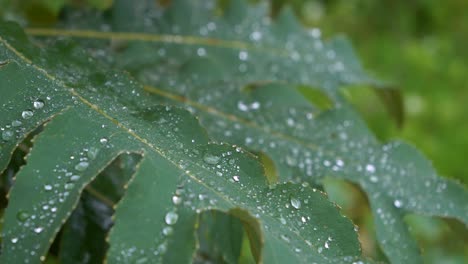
{"x":205,"y":62}
{"x":92,"y":115}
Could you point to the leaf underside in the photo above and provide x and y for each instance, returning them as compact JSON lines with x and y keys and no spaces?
{"x":243,"y":77}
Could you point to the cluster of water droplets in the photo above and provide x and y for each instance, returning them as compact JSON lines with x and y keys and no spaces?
{"x":15,"y":129}
{"x":43,"y":214}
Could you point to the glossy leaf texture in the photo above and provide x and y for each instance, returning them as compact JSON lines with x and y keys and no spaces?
{"x":92,"y":115}
{"x":249,"y":79}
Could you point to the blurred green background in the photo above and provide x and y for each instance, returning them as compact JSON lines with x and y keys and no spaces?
{"x":421,"y":47}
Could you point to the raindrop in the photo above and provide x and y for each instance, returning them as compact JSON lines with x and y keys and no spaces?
{"x":26,"y":114}
{"x":38,"y":230}
{"x":92,"y":152}
{"x":82,"y":166}
{"x":16,"y":123}
{"x":171,"y":218}
{"x":243,"y":55}
{"x":75,"y":177}
{"x":14,"y":240}
{"x":285,"y":238}
{"x":211,"y":159}
{"x":340,"y":163}
{"x":69,"y":186}
{"x":103,"y":140}
{"x":48,"y":187}
{"x":374,"y":179}
{"x":370,"y":168}
{"x":38,"y":104}
{"x":398,"y":203}
{"x":176,"y":199}
{"x":167,"y":231}
{"x":242,"y":106}
{"x":295,"y":203}
{"x":256,"y":36}
{"x":201,"y":52}
{"x":236,"y":178}
{"x":255,"y":105}
{"x":7,"y":135}
{"x":283,"y":221}
{"x":22,"y":216}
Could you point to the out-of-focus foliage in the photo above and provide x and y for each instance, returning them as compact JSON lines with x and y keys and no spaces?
{"x":420,"y":46}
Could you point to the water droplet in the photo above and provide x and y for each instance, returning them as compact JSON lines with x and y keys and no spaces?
{"x":243,"y":55}
{"x":176,"y":199}
{"x":14,"y":240}
{"x":283,"y":221}
{"x":296,"y":203}
{"x":398,"y":203}
{"x":26,"y":114}
{"x":7,"y":135}
{"x":201,"y":52}
{"x":211,"y":159}
{"x":92,"y":152}
{"x":103,"y":140}
{"x":370,"y":168}
{"x":236,"y":178}
{"x":171,"y":218}
{"x":242,"y":106}
{"x":69,"y":186}
{"x":82,"y":166}
{"x":16,"y":123}
{"x":167,"y":231}
{"x":255,"y":105}
{"x":285,"y":238}
{"x":48,"y":187}
{"x":22,"y":216}
{"x":256,"y":36}
{"x":75,"y":177}
{"x":374,"y":179}
{"x":38,"y":230}
{"x":38,"y":104}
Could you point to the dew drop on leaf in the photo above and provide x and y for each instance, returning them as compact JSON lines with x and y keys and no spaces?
{"x":370,"y":168}
{"x":26,"y":114}
{"x":74,"y":177}
{"x":7,"y":135}
{"x":103,"y":140}
{"x":38,"y":230}
{"x":176,"y":199}
{"x":167,"y":231}
{"x":14,"y":240}
{"x":171,"y":218}
{"x":296,"y":203}
{"x":69,"y":186}
{"x":22,"y":216}
{"x":16,"y":123}
{"x":83,"y":165}
{"x":242,"y":106}
{"x":38,"y":104}
{"x":211,"y":159}
{"x":92,"y":152}
{"x":236,"y":178}
{"x":398,"y":203}
{"x":48,"y":187}
{"x":243,"y":55}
